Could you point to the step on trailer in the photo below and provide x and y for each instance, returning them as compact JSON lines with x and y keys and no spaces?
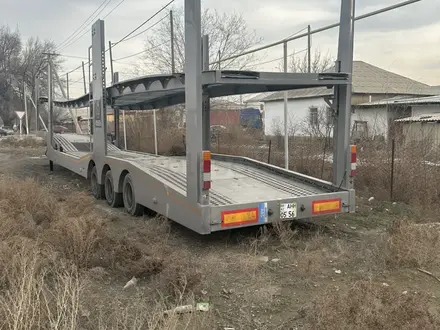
{"x":202,"y":191}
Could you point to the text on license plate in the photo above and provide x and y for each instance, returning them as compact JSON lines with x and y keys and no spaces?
{"x":288,"y":210}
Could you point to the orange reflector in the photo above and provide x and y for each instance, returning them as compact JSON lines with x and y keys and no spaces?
{"x":326,"y":206}
{"x":206,"y":155}
{"x":239,"y":217}
{"x":353,"y":148}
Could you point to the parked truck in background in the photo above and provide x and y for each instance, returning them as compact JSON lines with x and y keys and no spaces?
{"x":246,"y":118}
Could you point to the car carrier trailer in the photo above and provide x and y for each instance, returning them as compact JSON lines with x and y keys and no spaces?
{"x":202,"y":191}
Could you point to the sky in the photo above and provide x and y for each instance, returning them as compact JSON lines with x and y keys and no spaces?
{"x":405,"y":41}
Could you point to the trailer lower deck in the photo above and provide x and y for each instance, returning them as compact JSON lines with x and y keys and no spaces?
{"x":232,"y":183}
{"x":243,"y":191}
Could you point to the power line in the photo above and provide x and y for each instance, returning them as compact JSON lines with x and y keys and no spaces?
{"x":114,"y":8}
{"x":129,"y":34}
{"x":73,"y":56}
{"x":148,"y":28}
{"x":139,"y":53}
{"x":282,"y":57}
{"x":86,"y":27}
{"x":325,"y":28}
{"x":82,"y":25}
{"x":145,"y":22}
{"x":87,"y":31}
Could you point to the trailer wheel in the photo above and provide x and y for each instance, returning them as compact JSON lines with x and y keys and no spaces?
{"x":97,"y":189}
{"x":113,"y":198}
{"x":129,"y":197}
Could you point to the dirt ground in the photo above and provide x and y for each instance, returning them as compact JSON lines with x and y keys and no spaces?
{"x":283,"y":278}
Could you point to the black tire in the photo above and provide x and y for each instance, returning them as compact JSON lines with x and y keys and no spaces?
{"x":129,"y":197}
{"x":113,"y":198}
{"x":97,"y":189}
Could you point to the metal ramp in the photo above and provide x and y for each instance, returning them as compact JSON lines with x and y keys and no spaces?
{"x":77,"y":143}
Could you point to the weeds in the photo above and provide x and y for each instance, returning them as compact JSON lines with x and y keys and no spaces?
{"x":368,"y":305}
{"x":407,"y":244}
{"x":22,"y":142}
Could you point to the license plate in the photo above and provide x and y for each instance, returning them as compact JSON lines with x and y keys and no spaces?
{"x":288,"y":210}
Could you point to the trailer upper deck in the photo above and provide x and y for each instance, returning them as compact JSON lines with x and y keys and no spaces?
{"x":157,"y":91}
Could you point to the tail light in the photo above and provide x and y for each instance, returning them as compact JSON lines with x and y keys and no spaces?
{"x":206,"y":170}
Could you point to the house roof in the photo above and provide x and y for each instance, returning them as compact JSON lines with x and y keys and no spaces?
{"x":367,"y":79}
{"x":425,"y":118}
{"x":404,"y":100}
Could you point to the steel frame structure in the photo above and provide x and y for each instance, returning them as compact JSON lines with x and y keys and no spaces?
{"x":244,"y":191}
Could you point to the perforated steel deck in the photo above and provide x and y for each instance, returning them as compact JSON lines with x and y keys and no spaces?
{"x":232,"y":183}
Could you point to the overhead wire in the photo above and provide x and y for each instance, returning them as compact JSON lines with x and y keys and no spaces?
{"x":145,"y":22}
{"x":82,"y":26}
{"x":139,"y":53}
{"x":280,"y":58}
{"x":147,"y":29}
{"x":86,"y":28}
{"x":73,"y":56}
{"x":87,"y":31}
{"x":114,"y":8}
{"x":127,"y":37}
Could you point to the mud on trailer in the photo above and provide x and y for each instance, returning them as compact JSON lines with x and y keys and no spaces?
{"x":202,"y":191}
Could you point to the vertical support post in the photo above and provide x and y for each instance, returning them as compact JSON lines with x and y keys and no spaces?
{"x":26,"y":109}
{"x":67,"y":86}
{"x":193,"y":96}
{"x":219,"y":60}
{"x":173,"y":63}
{"x":286,"y":117}
{"x":115,"y":79}
{"x":309,"y":49}
{"x":37,"y":102}
{"x":206,"y":122}
{"x":99,"y":100}
{"x":125,"y":129}
{"x":50,"y":99}
{"x":341,"y":135}
{"x":89,"y":65}
{"x":84,"y":78}
{"x":206,"y":101}
{"x":393,"y":150}
{"x":155,"y":132}
{"x":116,"y":119}
{"x":111,"y":60}
{"x":268,"y":154}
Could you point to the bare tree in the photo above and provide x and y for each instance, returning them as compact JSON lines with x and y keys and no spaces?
{"x":319,"y":62}
{"x":10,"y":49}
{"x":229,"y":35}
{"x":320,"y":125}
{"x":20,"y":67}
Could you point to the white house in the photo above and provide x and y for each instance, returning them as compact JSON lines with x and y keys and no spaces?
{"x":308,"y":108}
{"x":399,"y":109}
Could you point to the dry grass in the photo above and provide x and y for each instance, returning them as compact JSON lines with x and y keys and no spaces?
{"x":367,"y":306}
{"x":22,"y":142}
{"x":407,"y":244}
{"x":51,"y":249}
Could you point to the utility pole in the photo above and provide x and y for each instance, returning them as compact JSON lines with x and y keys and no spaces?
{"x":67,"y":86}
{"x":309,"y":49}
{"x":26,"y":109}
{"x":37,"y":102}
{"x":286,"y":124}
{"x":60,"y":85}
{"x":111,"y":59}
{"x":84,"y":78}
{"x":173,"y":63}
{"x":218,"y":53}
{"x":50,"y":96}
